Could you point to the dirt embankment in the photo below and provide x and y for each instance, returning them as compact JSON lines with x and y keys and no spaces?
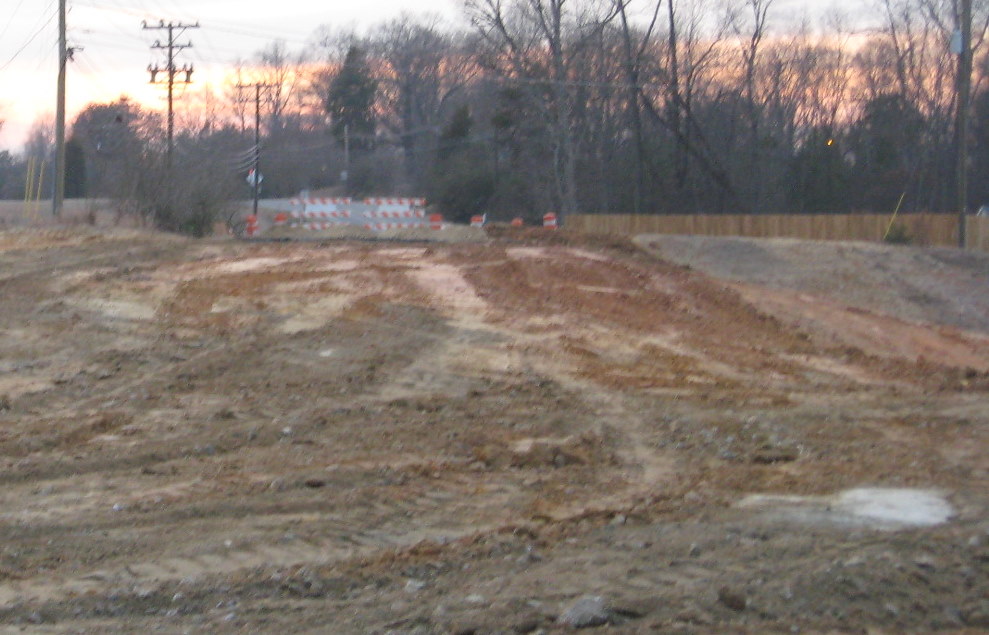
{"x":537,"y":432}
{"x":944,"y":287}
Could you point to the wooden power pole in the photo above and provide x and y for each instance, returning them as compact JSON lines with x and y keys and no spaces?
{"x":255,"y":181}
{"x":170,"y":70}
{"x":58,"y":192}
{"x":964,"y":91}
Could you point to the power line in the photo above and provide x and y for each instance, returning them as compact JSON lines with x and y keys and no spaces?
{"x":91,"y":73}
{"x":217,"y":54}
{"x":46,"y":57}
{"x":139,"y":14}
{"x":11,"y":19}
{"x":289,"y":37}
{"x":267,"y":36}
{"x":30,"y":40}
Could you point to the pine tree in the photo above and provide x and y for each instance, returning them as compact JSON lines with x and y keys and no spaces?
{"x":350,"y":100}
{"x":75,"y":169}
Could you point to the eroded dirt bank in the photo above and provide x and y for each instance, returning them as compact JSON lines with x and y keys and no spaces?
{"x":232,"y":437}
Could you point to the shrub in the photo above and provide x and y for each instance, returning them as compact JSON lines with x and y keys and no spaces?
{"x":187,"y":199}
{"x":898,"y":234}
{"x":465,"y":190}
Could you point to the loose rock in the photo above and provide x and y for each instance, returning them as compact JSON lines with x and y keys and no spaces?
{"x":732,"y":598}
{"x":588,"y":611}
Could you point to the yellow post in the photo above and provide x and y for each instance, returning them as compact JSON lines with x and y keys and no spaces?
{"x":895,"y":212}
{"x":28,"y":186}
{"x":37,"y":198}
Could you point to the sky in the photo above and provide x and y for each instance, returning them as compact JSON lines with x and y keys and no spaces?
{"x":114,"y":51}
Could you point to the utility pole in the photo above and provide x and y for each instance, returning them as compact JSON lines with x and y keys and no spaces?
{"x":345,"y":177}
{"x":170,"y":70}
{"x":58,"y":193}
{"x":963,"y":93}
{"x":256,"y":163}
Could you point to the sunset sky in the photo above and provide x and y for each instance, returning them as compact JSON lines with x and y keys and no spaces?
{"x":116,"y":50}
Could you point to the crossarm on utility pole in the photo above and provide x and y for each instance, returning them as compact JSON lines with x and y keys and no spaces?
{"x":170,"y":70}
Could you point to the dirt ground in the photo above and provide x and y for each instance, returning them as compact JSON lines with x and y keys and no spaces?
{"x":533,"y":433}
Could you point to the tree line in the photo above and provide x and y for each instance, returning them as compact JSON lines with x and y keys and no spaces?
{"x":573,"y":106}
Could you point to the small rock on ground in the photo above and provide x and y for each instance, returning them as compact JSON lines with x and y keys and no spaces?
{"x":588,"y":611}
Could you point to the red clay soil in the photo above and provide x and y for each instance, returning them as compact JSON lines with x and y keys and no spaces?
{"x":471,"y":437}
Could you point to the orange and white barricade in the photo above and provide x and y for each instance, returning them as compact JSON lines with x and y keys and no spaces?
{"x":396,"y":204}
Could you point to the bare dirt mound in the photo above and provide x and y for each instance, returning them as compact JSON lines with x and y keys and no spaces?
{"x":936,"y":285}
{"x":541,"y":431}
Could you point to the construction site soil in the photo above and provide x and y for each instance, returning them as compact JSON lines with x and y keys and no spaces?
{"x":537,"y":432}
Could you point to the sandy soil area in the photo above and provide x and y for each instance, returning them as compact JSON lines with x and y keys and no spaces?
{"x":532,"y":433}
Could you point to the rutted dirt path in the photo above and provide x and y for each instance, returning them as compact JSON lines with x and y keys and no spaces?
{"x":222,"y":436}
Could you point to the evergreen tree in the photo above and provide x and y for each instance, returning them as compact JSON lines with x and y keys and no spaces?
{"x":463,"y":184}
{"x":350,"y":101}
{"x":819,"y":177}
{"x":75,"y":169}
{"x":456,"y":133}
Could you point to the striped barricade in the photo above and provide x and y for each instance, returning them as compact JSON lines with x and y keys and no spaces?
{"x":397,"y":214}
{"x":380,"y":227}
{"x":395,"y":204}
{"x":321,"y":204}
{"x":375,"y":214}
{"x":320,"y":213}
{"x":315,"y":227}
{"x":317,"y":215}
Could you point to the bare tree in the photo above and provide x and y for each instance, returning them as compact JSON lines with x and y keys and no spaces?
{"x":545,"y":36}
{"x":750,"y":25}
{"x":282,"y":73}
{"x":914,"y":40}
{"x":41,"y":138}
{"x":634,"y":51}
{"x":674,"y":78}
{"x":234,"y":96}
{"x":423,"y":69}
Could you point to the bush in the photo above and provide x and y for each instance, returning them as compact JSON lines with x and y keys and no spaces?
{"x":463,"y":191}
{"x":898,"y":234}
{"x":187,"y":199}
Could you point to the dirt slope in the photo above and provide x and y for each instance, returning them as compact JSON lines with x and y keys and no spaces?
{"x":936,"y":285}
{"x":220,"y":436}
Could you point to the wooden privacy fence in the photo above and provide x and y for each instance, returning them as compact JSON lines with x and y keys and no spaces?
{"x":977,"y":233}
{"x":923,"y":229}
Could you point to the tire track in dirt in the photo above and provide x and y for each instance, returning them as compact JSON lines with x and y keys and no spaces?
{"x":79,"y":256}
{"x":398,"y":523}
{"x":652,"y":470}
{"x":452,"y":289}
